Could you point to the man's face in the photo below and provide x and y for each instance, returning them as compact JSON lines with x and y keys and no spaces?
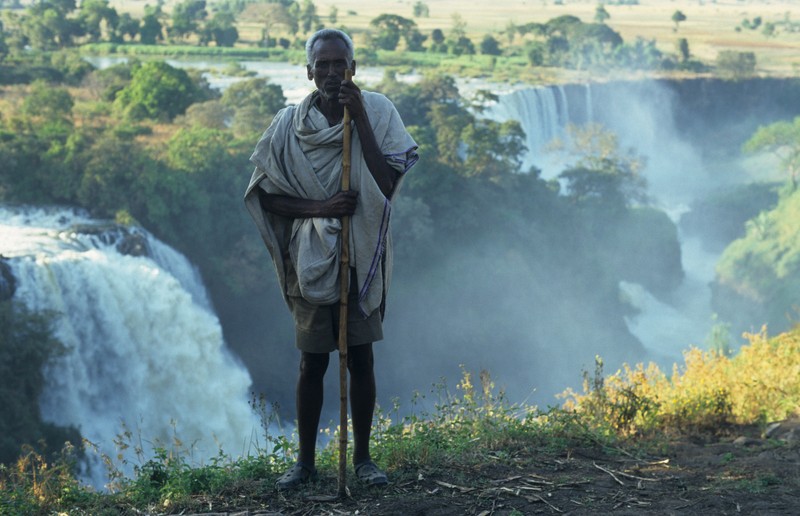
{"x":328,"y":63}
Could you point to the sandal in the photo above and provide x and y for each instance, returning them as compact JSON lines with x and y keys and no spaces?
{"x":369,"y":474}
{"x":296,"y":475}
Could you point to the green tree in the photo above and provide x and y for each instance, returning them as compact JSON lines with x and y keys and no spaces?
{"x":126,"y":26}
{"x":438,"y":44}
{"x":782,"y":139}
{"x":457,"y":41}
{"x":3,"y":44}
{"x":677,"y":17}
{"x":421,"y":10}
{"x":391,"y":28}
{"x":333,"y":15}
{"x":48,"y":25}
{"x":94,"y":14}
{"x":27,"y":344}
{"x":490,"y":46}
{"x":600,"y":14}
{"x":493,"y":149}
{"x":309,"y":19}
{"x":151,"y":29}
{"x":682,"y":47}
{"x":272,"y":15}
{"x":601,"y":173}
{"x":221,"y":29}
{"x":49,"y":103}
{"x":736,"y":65}
{"x":157,"y":91}
{"x":186,"y":18}
{"x":254,"y":102}
{"x":114,"y":169}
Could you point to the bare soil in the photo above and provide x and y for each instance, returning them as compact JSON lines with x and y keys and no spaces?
{"x":741,"y":473}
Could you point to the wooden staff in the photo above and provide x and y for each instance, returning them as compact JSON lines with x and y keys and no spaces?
{"x":344,"y":275}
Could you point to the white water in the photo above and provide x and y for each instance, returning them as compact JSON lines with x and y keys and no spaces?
{"x":145,"y":351}
{"x":641,"y":116}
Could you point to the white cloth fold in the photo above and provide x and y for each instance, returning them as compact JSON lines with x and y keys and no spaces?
{"x":300,"y":155}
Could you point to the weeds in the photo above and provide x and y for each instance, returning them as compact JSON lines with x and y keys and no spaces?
{"x":708,"y":394}
{"x":465,"y":427}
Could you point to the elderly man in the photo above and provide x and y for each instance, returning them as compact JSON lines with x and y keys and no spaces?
{"x":295,"y":199}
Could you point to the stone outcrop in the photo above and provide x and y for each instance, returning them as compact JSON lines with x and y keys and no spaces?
{"x":8,"y":283}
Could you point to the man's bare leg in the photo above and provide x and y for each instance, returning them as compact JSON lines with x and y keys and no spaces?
{"x":362,"y":398}
{"x":310,"y":389}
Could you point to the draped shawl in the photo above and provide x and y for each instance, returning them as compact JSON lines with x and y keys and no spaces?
{"x":300,"y":155}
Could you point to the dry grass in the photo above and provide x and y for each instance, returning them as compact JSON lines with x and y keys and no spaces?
{"x":709,"y":27}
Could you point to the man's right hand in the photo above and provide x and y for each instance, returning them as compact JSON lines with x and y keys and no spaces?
{"x":341,"y":204}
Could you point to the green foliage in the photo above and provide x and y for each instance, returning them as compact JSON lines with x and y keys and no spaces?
{"x":309,"y":19}
{"x":682,"y":46}
{"x":26,"y":346}
{"x":762,"y":269}
{"x":391,"y":28}
{"x":720,"y":218}
{"x":151,"y":29}
{"x":186,"y":18}
{"x":48,"y":25}
{"x":421,"y":10}
{"x":736,"y":65}
{"x":600,"y":14}
{"x":781,"y":139}
{"x":157,"y":91}
{"x":677,"y":17}
{"x":490,"y":46}
{"x":601,"y":173}
{"x":221,"y":29}
{"x":93,"y":14}
{"x":48,"y":103}
{"x":254,"y":102}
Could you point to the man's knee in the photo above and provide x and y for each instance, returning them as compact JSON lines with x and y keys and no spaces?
{"x":313,"y":365}
{"x":360,"y":359}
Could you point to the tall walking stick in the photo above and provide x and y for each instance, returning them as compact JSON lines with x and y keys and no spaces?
{"x":344,"y":275}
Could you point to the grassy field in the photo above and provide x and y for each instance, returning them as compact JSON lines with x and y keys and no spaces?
{"x":710,"y":27}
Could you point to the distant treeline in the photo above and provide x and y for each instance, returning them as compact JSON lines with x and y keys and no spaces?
{"x":283,"y":25}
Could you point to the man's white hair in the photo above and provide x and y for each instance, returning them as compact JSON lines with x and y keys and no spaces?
{"x":325,"y":34}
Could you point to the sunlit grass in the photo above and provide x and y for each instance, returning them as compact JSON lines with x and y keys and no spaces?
{"x":466,"y":427}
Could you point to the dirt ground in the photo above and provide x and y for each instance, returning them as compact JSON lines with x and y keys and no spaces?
{"x":742,"y":473}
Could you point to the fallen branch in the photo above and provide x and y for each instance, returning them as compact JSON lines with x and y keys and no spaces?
{"x":601,"y":468}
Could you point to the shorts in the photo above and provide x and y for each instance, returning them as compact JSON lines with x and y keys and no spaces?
{"x":317,"y":326}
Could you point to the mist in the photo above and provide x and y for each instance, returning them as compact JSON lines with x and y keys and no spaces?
{"x":526,"y":324}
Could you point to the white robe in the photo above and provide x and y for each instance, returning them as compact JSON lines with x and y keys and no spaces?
{"x":300,"y":155}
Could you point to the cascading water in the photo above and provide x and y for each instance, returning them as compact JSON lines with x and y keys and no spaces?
{"x":543,"y":113}
{"x":640,"y":114}
{"x":145,"y":350}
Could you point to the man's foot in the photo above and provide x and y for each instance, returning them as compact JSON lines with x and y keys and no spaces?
{"x":369,"y":474}
{"x":296,"y":475}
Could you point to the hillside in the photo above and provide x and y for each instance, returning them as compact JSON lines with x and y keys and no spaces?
{"x":635,"y":442}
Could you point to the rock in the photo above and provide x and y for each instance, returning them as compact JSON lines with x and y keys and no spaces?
{"x":8,"y":283}
{"x":787,"y":430}
{"x":746,"y":441}
{"x":133,"y":244}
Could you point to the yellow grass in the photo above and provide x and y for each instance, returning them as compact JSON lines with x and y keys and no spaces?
{"x":709,"y":27}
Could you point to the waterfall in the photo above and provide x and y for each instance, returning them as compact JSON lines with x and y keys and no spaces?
{"x":542,"y":113}
{"x":145,"y":351}
{"x":642,"y":116}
